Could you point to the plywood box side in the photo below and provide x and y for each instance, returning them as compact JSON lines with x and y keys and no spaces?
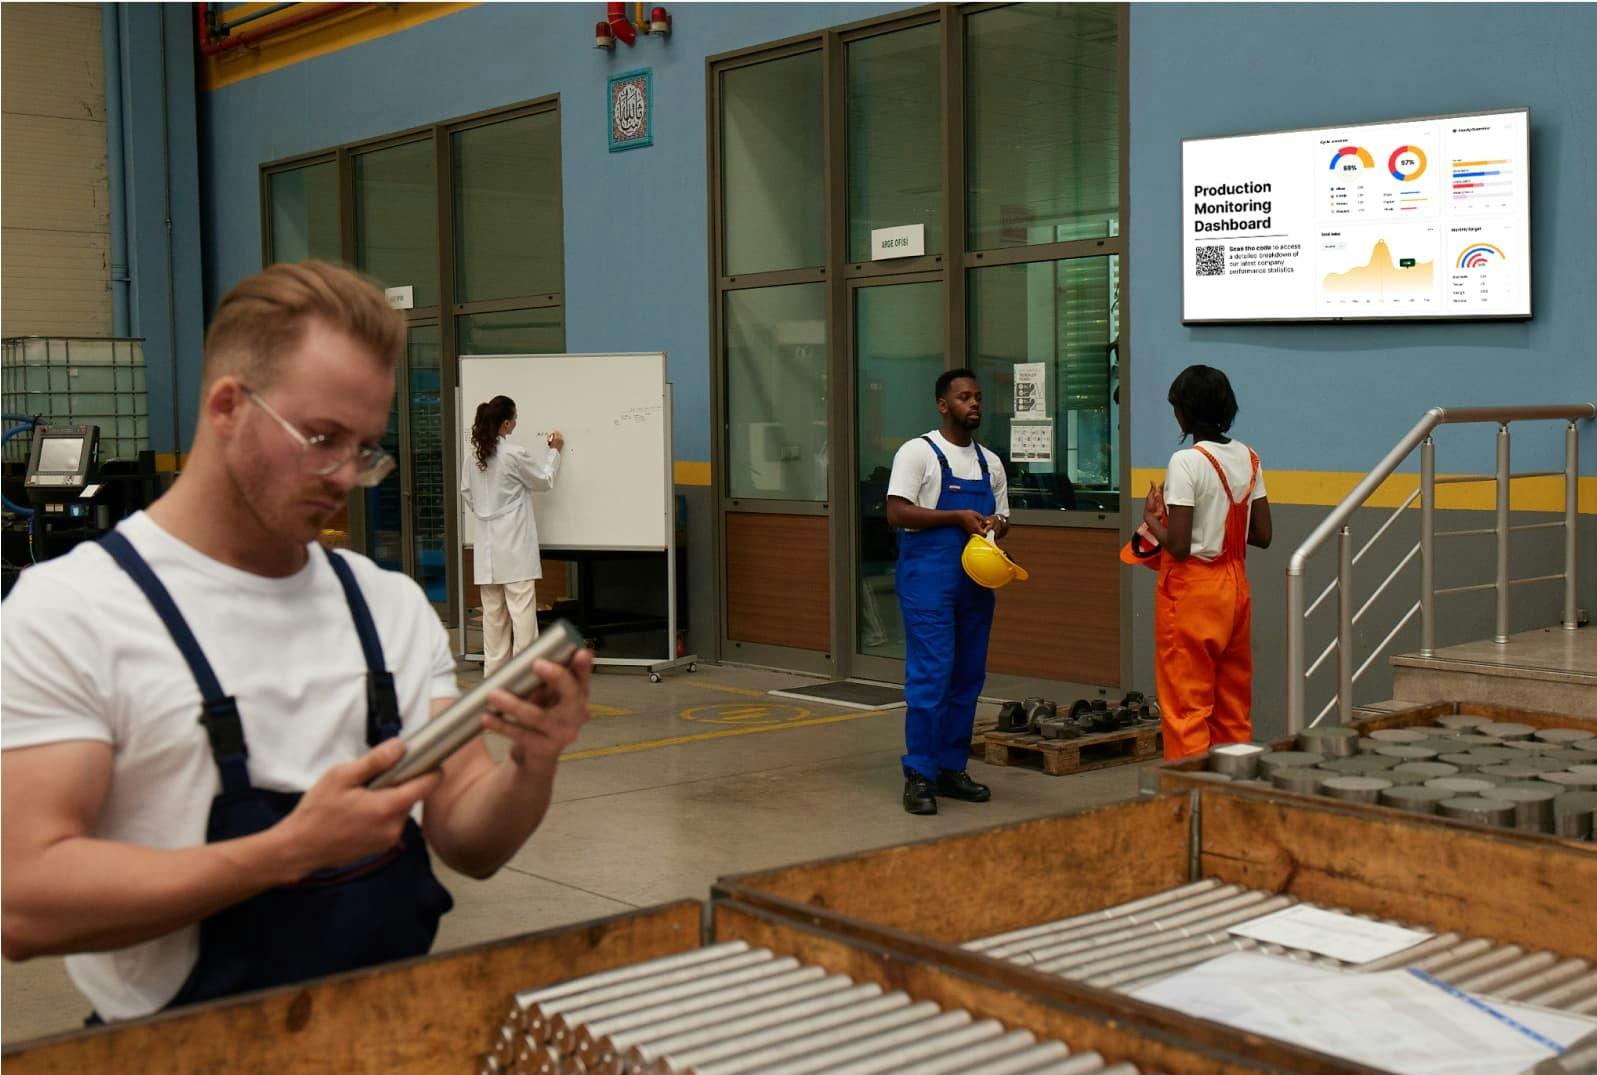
{"x":973,"y":885}
{"x":432,"y":1014}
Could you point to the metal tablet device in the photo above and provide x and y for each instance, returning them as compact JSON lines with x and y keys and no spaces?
{"x":429,"y":745}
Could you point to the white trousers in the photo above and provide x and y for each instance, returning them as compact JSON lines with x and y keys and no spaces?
{"x":507,"y":606}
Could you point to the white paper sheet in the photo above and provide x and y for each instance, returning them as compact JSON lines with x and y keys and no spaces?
{"x":1331,"y":933}
{"x":1031,"y":390}
{"x":1394,"y":1020}
{"x":1031,"y":442}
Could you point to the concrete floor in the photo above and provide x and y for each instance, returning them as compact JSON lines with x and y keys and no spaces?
{"x":673,"y":785}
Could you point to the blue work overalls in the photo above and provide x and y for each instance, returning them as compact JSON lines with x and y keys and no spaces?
{"x":947,"y":619}
{"x":383,"y":907}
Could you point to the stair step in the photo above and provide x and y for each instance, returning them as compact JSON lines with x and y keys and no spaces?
{"x":1551,"y":669}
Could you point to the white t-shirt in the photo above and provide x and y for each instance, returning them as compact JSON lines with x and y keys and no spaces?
{"x":1191,"y":482}
{"x":918,"y":476}
{"x":85,"y":656}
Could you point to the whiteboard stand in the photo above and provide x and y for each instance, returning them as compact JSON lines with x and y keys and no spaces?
{"x":654,"y":667}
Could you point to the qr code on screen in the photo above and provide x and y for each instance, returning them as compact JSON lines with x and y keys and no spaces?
{"x":1211,"y":261}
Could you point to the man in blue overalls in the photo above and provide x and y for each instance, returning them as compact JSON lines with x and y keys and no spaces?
{"x":944,"y":488}
{"x":195,"y":704}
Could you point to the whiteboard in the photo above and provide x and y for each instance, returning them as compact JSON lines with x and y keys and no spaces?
{"x":614,"y":486}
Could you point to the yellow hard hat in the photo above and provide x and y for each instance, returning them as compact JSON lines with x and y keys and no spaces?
{"x":988,"y":565}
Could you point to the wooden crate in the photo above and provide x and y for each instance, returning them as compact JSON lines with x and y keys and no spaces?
{"x":439,"y":1013}
{"x":434,"y":1013}
{"x":925,"y":899}
{"x":1179,"y":775}
{"x":1061,"y":757}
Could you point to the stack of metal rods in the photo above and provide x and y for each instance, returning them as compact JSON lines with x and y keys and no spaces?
{"x":1137,"y":943}
{"x":732,"y":1010}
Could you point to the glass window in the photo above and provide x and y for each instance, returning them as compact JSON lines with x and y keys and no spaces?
{"x":772,"y":159}
{"x":507,"y":209}
{"x":425,"y":457}
{"x":1043,"y":121}
{"x":396,"y":218}
{"x":776,"y":392}
{"x":540,"y":331}
{"x":304,"y":208}
{"x":895,"y":137}
{"x":898,"y":338}
{"x":1063,"y":316}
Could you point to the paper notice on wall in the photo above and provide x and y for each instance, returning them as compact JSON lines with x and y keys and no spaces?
{"x":1031,"y":390}
{"x":1032,"y":442}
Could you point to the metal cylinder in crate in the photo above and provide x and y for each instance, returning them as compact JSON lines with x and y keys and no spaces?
{"x":1533,"y":807}
{"x":1358,"y":789}
{"x":1573,"y":814}
{"x":1331,"y":741}
{"x":1414,"y":798}
{"x":1239,"y":761}
{"x":1301,"y":779}
{"x":1479,"y":810}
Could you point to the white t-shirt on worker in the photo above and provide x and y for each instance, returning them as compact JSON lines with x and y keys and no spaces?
{"x":1191,"y":482}
{"x":917,"y":475}
{"x":86,"y":657}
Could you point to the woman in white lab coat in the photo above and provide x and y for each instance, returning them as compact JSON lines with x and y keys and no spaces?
{"x":496,"y":480}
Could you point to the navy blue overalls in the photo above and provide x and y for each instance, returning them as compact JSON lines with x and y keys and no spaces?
{"x":380,"y":908}
{"x":947,"y":619}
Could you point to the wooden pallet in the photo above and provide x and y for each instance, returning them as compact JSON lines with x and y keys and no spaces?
{"x":1061,"y":757}
{"x":978,"y":736}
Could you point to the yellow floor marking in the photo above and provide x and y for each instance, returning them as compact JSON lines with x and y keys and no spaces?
{"x":745,"y":691}
{"x":679,"y":740}
{"x":607,"y":711}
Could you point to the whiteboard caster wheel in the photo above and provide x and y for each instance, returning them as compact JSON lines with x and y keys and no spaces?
{"x":654,"y":677}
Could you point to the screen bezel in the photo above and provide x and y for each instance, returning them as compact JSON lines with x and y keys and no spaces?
{"x":1530,"y":296}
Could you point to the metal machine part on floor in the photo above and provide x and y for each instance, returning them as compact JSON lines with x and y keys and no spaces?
{"x":728,"y":1009}
{"x":1135,"y":944}
{"x":1463,"y":767}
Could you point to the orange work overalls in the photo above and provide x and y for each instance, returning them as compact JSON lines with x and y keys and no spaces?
{"x":1203,"y":615}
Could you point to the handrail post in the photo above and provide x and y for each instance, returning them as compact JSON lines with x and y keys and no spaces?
{"x":1571,"y":522}
{"x":1294,"y":653}
{"x":1503,"y":484}
{"x":1344,"y":626}
{"x":1427,"y":548}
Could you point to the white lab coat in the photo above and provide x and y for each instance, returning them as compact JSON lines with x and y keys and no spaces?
{"x":506,"y":546}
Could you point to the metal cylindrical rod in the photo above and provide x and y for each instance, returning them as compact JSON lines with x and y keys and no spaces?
{"x":1490,"y":981}
{"x":1248,"y":904}
{"x":1045,"y":1059}
{"x":968,"y":1059}
{"x":824,"y":1052}
{"x":589,"y":1041}
{"x":1427,"y":548}
{"x":1568,"y":993}
{"x":1067,"y":965}
{"x":892,"y":1056}
{"x":1295,"y":705}
{"x":1344,"y":626}
{"x":1571,"y":522}
{"x":1127,"y":980}
{"x":1117,"y":911}
{"x":564,"y":1026}
{"x":1122,"y":927}
{"x":634,"y":1049}
{"x":1550,"y":978}
{"x":533,"y":1001}
{"x":773,"y":1024}
{"x":1503,"y":489}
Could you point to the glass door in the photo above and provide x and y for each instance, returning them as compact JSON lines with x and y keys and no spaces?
{"x":897,"y":338}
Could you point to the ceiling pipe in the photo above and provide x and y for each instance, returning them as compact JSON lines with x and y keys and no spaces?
{"x":212,"y":45}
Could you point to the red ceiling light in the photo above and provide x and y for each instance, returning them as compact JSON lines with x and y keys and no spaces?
{"x":659,"y":21}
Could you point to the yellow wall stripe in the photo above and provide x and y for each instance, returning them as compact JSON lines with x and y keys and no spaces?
{"x":1326,"y":488}
{"x":691,"y":473}
{"x":358,"y":24}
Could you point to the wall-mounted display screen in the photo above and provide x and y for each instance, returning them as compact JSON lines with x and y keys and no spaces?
{"x":1410,"y":218}
{"x":61,"y":455}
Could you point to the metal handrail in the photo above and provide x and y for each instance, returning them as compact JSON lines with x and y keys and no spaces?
{"x":1337,"y":523}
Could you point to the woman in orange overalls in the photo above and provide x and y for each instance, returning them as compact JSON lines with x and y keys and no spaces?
{"x":1210,"y":508}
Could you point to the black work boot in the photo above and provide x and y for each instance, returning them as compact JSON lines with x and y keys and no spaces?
{"x":918,"y":795}
{"x":960,"y":786}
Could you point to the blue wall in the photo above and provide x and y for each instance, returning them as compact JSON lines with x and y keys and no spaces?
{"x":1337,"y":396}
{"x":637,"y":273}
